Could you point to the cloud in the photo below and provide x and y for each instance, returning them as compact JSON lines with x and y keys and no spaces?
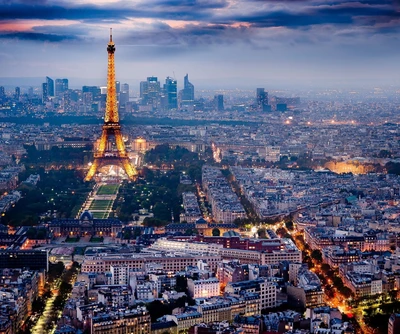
{"x":33,"y":36}
{"x":159,"y":9}
{"x":198,"y":4}
{"x":316,"y":13}
{"x":190,"y":35}
{"x":202,"y":23}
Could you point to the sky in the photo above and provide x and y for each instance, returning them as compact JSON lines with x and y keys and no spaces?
{"x":220,"y":43}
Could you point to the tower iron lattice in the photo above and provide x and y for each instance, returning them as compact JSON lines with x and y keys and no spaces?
{"x":104,"y":154}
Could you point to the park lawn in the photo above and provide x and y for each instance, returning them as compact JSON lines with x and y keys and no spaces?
{"x":72,"y":239}
{"x":108,"y":189}
{"x":100,"y":215}
{"x":101,"y":205}
{"x":96,"y":239}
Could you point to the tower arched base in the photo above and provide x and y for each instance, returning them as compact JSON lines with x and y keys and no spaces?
{"x":123,"y":162}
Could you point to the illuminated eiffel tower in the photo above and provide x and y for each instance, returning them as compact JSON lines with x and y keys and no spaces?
{"x":105,"y":155}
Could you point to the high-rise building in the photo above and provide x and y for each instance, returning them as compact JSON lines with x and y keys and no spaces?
{"x":61,"y":86}
{"x":170,"y":91}
{"x":125,"y":87}
{"x":262,"y":99}
{"x":30,"y":92}
{"x":187,"y":93}
{"x":118,"y":86}
{"x":17,"y":93}
{"x":124,"y":95}
{"x":123,"y":98}
{"x":219,"y":102}
{"x":50,"y":87}
{"x":150,"y":91}
{"x":45,"y":92}
{"x":2,"y":92}
{"x":96,"y":92}
{"x":143,"y":89}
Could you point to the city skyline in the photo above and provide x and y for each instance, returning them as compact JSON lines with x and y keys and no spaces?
{"x":275,"y":43}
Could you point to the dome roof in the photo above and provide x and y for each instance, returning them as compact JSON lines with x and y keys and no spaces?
{"x":86,"y":215}
{"x":201,"y":221}
{"x":231,"y":234}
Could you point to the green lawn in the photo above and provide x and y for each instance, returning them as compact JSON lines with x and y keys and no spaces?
{"x":96,"y":239}
{"x":101,"y":205}
{"x":100,"y":215}
{"x":72,"y":239}
{"x":108,"y":189}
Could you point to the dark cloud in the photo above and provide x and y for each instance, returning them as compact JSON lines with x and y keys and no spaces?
{"x":29,"y":2}
{"x":198,"y":4}
{"x":33,"y":36}
{"x":318,"y":12}
{"x":218,"y":22}
{"x":302,"y":13}
{"x":56,"y":12}
{"x":173,"y":10}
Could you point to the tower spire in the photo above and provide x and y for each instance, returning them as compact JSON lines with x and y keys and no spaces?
{"x":110,"y":34}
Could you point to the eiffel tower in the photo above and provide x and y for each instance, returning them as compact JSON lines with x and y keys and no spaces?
{"x":105,"y":155}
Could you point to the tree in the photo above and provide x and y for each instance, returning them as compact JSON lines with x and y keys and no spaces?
{"x":157,"y":309}
{"x":181,"y":283}
{"x":325,"y":267}
{"x":346,"y":292}
{"x":191,"y":231}
{"x":162,"y":212}
{"x":127,"y":233}
{"x":337,"y":282}
{"x":262,"y":234}
{"x":316,"y":255}
{"x":289,"y":225}
{"x":216,"y":232}
{"x":153,"y":222}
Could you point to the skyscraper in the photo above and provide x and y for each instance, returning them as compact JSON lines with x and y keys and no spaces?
{"x":118,"y":86}
{"x":262,"y":99}
{"x":150,"y":91}
{"x":123,"y":97}
{"x":61,"y":86}
{"x":170,"y":90}
{"x":94,"y":90}
{"x":187,"y":93}
{"x":2,"y":92}
{"x":219,"y":102}
{"x":45,"y":94}
{"x":125,"y":87}
{"x":17,"y":93}
{"x":50,"y":87}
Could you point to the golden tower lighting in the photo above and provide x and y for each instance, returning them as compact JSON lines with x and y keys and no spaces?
{"x":111,"y":128}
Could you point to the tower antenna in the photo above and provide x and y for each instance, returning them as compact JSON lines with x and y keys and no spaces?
{"x":110,"y":34}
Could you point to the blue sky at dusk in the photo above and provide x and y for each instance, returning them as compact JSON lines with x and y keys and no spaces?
{"x":220,"y":43}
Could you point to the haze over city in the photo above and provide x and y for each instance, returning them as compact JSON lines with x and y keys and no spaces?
{"x":284,"y":44}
